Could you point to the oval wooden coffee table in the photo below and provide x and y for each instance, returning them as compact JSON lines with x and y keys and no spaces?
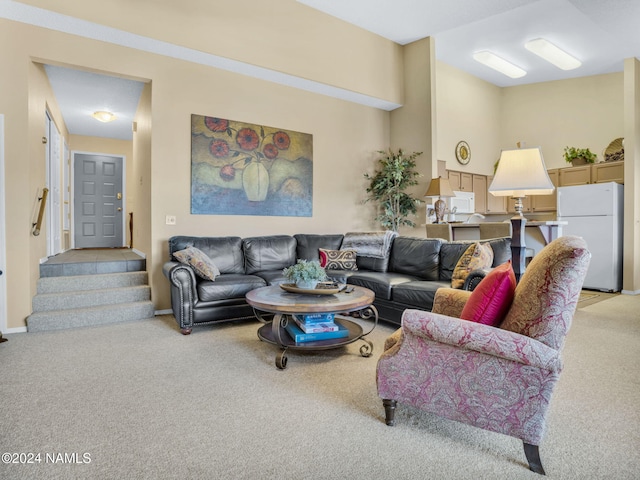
{"x":284,"y":304}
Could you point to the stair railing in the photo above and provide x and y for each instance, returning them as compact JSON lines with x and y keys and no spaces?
{"x":43,"y":202}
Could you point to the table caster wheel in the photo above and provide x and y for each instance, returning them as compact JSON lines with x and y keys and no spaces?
{"x":281,"y":361}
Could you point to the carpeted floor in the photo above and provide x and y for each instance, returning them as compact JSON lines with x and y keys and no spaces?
{"x":144,"y":402}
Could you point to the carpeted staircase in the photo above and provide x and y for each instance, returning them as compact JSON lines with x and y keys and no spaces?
{"x":72,"y":293}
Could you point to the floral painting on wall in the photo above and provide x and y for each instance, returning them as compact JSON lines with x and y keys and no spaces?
{"x":244,"y":169}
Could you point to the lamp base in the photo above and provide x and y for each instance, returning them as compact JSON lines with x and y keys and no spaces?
{"x":518,"y":246}
{"x":439,"y":207}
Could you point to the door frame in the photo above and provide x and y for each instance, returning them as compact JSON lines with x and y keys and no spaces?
{"x":72,"y":223}
{"x":3,"y":242}
{"x":53,"y":182}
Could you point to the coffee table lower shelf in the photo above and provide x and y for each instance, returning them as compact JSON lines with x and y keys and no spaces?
{"x":279,"y":336}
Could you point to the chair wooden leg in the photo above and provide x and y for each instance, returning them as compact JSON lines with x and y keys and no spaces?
{"x":533,"y":457}
{"x":389,"y":411}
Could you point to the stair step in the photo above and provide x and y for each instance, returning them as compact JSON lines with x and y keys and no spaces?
{"x":90,"y":298}
{"x":84,"y":317}
{"x":91,"y":282}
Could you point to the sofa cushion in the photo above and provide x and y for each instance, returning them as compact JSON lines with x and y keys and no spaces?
{"x":338,"y":259}
{"x":273,"y":252}
{"x":477,"y":256}
{"x":228,"y":286}
{"x":380,"y":283}
{"x":418,"y":257}
{"x":418,"y":294}
{"x":451,"y":252}
{"x":307,"y":245}
{"x":491,"y":299}
{"x":225,"y":252}
{"x":199,"y":261}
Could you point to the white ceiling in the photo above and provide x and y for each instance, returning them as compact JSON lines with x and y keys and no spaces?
{"x":81,"y":93}
{"x":600,"y":33}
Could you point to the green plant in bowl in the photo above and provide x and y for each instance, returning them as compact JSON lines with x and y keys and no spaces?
{"x":305,"y":274}
{"x":579,"y":156}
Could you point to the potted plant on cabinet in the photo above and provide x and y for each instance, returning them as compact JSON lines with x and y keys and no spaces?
{"x":387,"y":187}
{"x":579,"y":156}
{"x":305,"y":274}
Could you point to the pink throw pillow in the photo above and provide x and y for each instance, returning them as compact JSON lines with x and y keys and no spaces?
{"x":491,"y":299}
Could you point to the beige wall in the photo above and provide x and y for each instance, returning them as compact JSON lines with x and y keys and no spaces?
{"x":282,"y":35}
{"x":413,"y":126}
{"x":468,"y":109}
{"x":583,"y":112}
{"x":346,"y":136}
{"x":110,"y":146}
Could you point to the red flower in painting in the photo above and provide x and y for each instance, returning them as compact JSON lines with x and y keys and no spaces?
{"x":219,"y":148}
{"x":216,"y":124}
{"x":281,"y":140}
{"x":270,"y":151}
{"x":228,"y":173}
{"x":248,"y":139}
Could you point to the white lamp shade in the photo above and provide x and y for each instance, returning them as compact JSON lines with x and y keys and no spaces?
{"x":521,"y":172}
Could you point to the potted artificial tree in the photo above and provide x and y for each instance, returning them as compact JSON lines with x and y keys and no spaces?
{"x":305,"y":274}
{"x":579,"y":156}
{"x":387,"y":187}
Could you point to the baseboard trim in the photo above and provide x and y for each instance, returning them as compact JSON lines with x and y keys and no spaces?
{"x":630,"y":292}
{"x":15,"y":330}
{"x":163,"y":312}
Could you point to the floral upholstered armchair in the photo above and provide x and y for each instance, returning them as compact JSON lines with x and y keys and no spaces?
{"x":498,"y":378}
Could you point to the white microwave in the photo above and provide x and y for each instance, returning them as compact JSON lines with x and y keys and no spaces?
{"x":464,"y":202}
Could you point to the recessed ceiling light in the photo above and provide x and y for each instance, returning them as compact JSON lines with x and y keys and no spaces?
{"x":104,"y":116}
{"x":552,"y":54}
{"x":491,"y":60}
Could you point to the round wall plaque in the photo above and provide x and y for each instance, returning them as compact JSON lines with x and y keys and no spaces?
{"x":463,"y":152}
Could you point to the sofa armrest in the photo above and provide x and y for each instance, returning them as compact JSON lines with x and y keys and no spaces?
{"x":474,"y":278}
{"x":480,"y":338}
{"x":183,"y":292}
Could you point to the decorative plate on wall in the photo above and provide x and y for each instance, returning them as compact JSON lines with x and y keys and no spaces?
{"x":463,"y":152}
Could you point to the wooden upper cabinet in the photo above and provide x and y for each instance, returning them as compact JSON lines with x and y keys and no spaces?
{"x":480,"y":193}
{"x":575,"y":176}
{"x":461,"y":181}
{"x":607,"y":172}
{"x":547,"y":203}
{"x":593,"y":173}
{"x":495,"y":204}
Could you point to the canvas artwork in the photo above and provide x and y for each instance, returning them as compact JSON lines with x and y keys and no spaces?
{"x":239,"y":168}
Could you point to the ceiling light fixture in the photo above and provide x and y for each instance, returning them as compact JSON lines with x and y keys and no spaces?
{"x":103,"y":116}
{"x":491,"y":60}
{"x":552,"y":54}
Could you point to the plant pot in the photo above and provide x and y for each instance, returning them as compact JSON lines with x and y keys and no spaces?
{"x":578,"y":161}
{"x":307,"y":285}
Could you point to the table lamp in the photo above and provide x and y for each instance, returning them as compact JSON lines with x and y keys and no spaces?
{"x":439,"y":187}
{"x":520,"y":172}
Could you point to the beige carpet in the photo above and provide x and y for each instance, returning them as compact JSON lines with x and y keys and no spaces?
{"x":145,"y":402}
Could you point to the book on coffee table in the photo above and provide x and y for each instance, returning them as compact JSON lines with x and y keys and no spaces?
{"x":316,"y":327}
{"x":300,"y":337}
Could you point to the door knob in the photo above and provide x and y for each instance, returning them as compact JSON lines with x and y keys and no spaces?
{"x":119,"y":209}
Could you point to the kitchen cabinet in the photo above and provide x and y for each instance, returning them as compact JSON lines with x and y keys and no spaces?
{"x":461,"y":181}
{"x":547,"y":203}
{"x":575,"y":175}
{"x":480,"y":192}
{"x":495,"y":204}
{"x":607,"y":172}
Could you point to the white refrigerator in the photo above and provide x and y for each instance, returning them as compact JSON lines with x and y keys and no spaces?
{"x":595,"y":212}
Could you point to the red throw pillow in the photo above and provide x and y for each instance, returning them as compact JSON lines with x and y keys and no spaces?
{"x":491,"y":299}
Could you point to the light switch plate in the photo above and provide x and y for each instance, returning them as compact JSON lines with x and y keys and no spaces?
{"x":171,"y":220}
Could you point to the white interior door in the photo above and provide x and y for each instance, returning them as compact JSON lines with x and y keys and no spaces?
{"x":3,"y":243}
